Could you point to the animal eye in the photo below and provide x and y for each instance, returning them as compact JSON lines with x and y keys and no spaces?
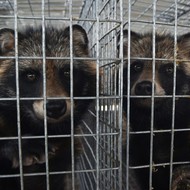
{"x":169,"y":70}
{"x":30,"y":76}
{"x":66,"y":73}
{"x":137,"y":66}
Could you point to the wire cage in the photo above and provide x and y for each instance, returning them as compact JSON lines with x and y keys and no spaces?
{"x":104,"y":162}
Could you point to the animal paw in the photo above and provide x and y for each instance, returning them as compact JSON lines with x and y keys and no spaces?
{"x":33,"y":153}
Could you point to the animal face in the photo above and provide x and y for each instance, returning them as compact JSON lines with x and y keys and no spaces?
{"x":53,"y":76}
{"x":142,"y":67}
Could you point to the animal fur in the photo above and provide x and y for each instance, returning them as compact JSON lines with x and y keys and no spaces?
{"x":181,"y":178}
{"x":141,"y":84}
{"x":58,"y":102}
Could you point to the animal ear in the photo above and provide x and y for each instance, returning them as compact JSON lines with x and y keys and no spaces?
{"x":183,"y":51}
{"x":6,"y":40}
{"x":79,"y":36}
{"x":184,"y":45}
{"x":134,"y":36}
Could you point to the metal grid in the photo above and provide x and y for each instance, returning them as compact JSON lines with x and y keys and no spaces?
{"x":139,"y":16}
{"x":101,"y":164}
{"x":102,"y":21}
{"x":30,"y":11}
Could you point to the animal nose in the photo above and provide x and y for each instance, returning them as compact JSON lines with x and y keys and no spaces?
{"x":56,"y":108}
{"x":143,"y":88}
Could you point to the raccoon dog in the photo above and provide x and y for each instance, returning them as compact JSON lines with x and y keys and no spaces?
{"x":141,"y":114}
{"x":58,"y":106}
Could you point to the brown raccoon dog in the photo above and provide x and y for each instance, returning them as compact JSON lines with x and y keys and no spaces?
{"x":141,"y":84}
{"x":58,"y":102}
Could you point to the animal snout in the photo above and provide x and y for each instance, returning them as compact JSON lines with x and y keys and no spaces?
{"x":56,"y":108}
{"x":143,"y":88}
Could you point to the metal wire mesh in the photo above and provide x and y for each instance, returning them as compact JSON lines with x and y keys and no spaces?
{"x":103,"y":163}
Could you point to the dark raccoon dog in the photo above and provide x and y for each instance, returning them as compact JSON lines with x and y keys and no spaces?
{"x":141,"y":115}
{"x":59,"y":102}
